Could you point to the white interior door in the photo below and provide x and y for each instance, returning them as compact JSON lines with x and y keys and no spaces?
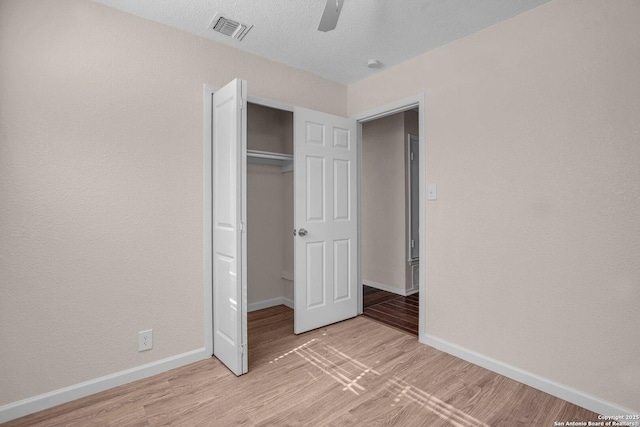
{"x":325,"y":181}
{"x":229,"y":146}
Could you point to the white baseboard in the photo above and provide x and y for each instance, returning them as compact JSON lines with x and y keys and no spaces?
{"x":388,"y":288}
{"x":67,"y":394}
{"x":259,"y":305}
{"x":286,"y":301}
{"x":553,"y":388}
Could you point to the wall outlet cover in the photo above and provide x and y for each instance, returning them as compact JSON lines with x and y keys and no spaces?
{"x":145,"y":340}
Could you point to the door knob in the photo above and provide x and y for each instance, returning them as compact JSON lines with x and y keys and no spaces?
{"x":302,"y":232}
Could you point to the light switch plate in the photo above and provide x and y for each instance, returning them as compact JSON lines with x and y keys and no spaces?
{"x":432,"y":192}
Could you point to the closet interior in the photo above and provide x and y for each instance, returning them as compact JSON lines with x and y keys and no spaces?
{"x":269,"y":207}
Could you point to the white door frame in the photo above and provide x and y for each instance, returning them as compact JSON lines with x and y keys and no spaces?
{"x":207,"y":198}
{"x":376,"y":113}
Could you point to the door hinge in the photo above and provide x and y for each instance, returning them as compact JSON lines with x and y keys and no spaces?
{"x":413,"y":243}
{"x":412,"y":155}
{"x":242,"y":226}
{"x":242,"y":349}
{"x":241,"y":103}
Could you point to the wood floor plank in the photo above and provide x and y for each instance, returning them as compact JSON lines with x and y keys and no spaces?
{"x":119,"y":406}
{"x":391,"y":319}
{"x":404,"y":304}
{"x":353,"y":373}
{"x":396,"y":310}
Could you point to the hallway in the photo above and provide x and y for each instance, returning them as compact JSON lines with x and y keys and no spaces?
{"x":391,"y":309}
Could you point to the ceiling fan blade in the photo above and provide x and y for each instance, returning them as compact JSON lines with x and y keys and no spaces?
{"x":330,"y":15}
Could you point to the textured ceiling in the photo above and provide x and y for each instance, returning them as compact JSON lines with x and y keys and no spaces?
{"x":390,"y":31}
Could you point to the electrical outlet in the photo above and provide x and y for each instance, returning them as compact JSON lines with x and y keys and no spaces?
{"x":145,"y":340}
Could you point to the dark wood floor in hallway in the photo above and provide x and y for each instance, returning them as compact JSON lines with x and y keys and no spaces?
{"x":391,"y":309}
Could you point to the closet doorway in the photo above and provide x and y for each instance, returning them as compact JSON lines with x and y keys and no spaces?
{"x":325,"y":216}
{"x":269,"y":207}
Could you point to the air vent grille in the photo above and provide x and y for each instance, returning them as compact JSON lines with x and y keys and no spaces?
{"x":229,"y":27}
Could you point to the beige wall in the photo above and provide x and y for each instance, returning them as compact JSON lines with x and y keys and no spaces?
{"x":287,"y":219}
{"x":269,"y":129}
{"x":532,"y":133}
{"x":101,"y":235}
{"x":383,"y":202}
{"x":265,"y":232}
{"x":411,"y":123}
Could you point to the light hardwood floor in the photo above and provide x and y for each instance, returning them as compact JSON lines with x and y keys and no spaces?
{"x":354,"y":373}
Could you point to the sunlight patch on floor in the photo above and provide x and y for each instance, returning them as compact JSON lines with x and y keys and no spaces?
{"x":427,"y":401}
{"x":351,"y":373}
{"x":343,"y":369}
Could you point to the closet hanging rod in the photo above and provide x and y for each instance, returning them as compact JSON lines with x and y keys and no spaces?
{"x":268,"y":155}
{"x":284,"y":160}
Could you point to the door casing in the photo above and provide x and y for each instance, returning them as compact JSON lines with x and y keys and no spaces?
{"x":377,"y":113}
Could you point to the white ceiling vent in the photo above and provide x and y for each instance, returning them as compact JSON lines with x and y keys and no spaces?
{"x":229,"y":27}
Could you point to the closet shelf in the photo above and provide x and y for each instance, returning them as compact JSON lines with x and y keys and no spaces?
{"x":267,"y":157}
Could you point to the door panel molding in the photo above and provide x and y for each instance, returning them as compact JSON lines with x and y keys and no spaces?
{"x":229,"y":212}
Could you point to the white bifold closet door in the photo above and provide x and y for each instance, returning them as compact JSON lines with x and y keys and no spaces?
{"x":325,"y":215}
{"x":229,"y":146}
